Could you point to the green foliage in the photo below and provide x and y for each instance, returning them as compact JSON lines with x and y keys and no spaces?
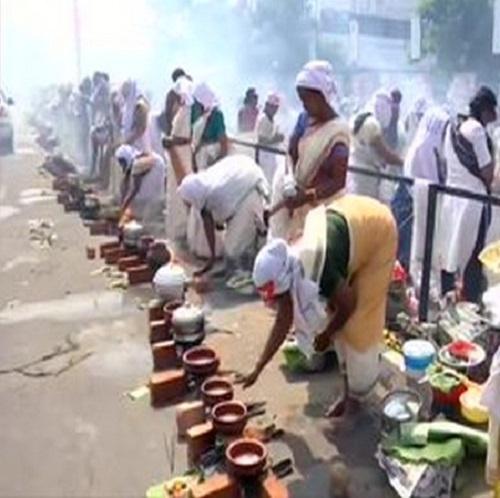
{"x":459,"y":34}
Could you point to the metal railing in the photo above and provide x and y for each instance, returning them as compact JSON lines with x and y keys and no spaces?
{"x":430,"y":229}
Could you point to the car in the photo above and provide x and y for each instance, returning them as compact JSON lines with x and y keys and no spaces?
{"x":6,"y":125}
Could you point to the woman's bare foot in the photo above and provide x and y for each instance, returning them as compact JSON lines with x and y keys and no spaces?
{"x":342,"y":406}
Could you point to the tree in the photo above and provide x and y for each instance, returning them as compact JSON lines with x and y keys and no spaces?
{"x":459,"y":33}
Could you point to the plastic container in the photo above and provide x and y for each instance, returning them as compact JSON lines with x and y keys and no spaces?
{"x":471,"y":408}
{"x":418,"y":355}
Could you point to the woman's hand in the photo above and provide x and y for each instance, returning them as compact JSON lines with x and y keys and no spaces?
{"x":248,"y":380}
{"x":298,"y":201}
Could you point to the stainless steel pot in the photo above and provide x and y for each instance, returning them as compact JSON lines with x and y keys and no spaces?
{"x":400,"y":407}
{"x":189,"y":324}
{"x":132,"y":233}
{"x":91,"y":202}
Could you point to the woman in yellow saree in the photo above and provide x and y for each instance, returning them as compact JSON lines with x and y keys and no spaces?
{"x":331,"y":287}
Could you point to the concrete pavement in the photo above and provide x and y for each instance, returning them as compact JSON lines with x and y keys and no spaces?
{"x":67,"y":428}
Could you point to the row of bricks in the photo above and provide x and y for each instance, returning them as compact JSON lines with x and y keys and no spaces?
{"x":223,"y":486}
{"x":200,"y":438}
{"x":137,"y":271}
{"x":167,"y":385}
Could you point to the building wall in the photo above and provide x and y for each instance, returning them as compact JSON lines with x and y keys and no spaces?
{"x":392,"y":9}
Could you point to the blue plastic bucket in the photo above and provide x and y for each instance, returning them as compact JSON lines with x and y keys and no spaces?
{"x":418,"y":355}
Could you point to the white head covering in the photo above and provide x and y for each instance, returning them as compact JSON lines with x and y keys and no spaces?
{"x":318,"y":75}
{"x":381,"y":106}
{"x":277,"y":263}
{"x":194,"y":191}
{"x":420,"y":106}
{"x":205,"y":96}
{"x":184,"y":88}
{"x":129,"y":102}
{"x":273,"y":98}
{"x":127,"y":153}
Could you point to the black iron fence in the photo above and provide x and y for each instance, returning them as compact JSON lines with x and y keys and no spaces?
{"x":430,"y":231}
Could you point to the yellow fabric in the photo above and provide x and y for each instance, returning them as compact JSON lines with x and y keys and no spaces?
{"x":373,"y":245}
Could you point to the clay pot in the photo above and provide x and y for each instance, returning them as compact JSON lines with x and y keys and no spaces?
{"x":246,"y":458}
{"x":201,"y":361}
{"x":144,"y":243}
{"x":156,"y":312}
{"x":230,"y":417}
{"x":158,"y":255}
{"x":216,"y":390}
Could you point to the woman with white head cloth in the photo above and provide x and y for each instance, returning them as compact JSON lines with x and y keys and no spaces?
{"x":232,"y":192}
{"x":209,"y":140}
{"x":316,"y":166}
{"x":424,"y":161}
{"x":332,"y":287}
{"x":178,"y":146}
{"x":268,"y":134}
{"x":143,"y":188}
{"x":135,"y":121}
{"x":209,"y":145}
{"x":370,"y":151}
{"x":417,"y":111}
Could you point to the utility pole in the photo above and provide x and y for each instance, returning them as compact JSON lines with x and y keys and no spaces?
{"x":78,"y":41}
{"x":317,"y":17}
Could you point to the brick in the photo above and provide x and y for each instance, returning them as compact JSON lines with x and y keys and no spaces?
{"x":98,"y":227}
{"x":155,"y":313}
{"x":90,"y":252}
{"x":164,"y":355}
{"x":167,"y":386}
{"x":273,"y":488}
{"x":114,"y":244}
{"x":217,"y":486}
{"x":112,"y":229}
{"x":139,"y":275}
{"x":111,"y":256}
{"x":188,"y":415}
{"x":129,"y":262}
{"x":200,"y":439}
{"x":62,"y":198}
{"x":159,"y":331}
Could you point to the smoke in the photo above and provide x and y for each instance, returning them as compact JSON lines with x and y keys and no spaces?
{"x":214,"y":40}
{"x":145,"y":40}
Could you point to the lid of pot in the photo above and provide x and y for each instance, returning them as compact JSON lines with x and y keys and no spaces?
{"x":188,"y":313}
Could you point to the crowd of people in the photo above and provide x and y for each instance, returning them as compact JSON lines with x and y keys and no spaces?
{"x":319,"y":240}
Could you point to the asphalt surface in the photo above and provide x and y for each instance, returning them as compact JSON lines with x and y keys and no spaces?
{"x":68,"y":430}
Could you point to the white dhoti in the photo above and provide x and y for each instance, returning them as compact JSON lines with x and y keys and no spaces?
{"x":360,"y":184}
{"x":244,"y":227}
{"x":177,"y":211}
{"x":361,"y":368}
{"x":268,"y":161}
{"x":460,"y":221}
{"x":197,"y":239}
{"x":151,"y":215}
{"x":115,"y":180}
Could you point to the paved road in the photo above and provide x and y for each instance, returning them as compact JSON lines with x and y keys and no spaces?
{"x":67,"y":428}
